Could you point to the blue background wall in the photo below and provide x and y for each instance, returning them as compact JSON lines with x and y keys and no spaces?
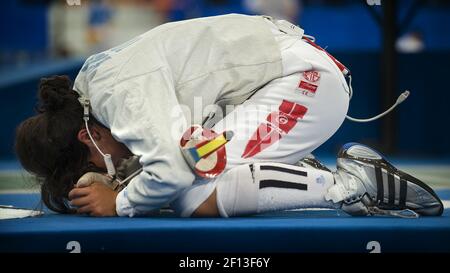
{"x":23,"y":30}
{"x":423,"y":120}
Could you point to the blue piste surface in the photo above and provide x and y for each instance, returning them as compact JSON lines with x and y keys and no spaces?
{"x":289,"y":231}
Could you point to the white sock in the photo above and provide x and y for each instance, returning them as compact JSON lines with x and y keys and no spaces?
{"x":265,"y":187}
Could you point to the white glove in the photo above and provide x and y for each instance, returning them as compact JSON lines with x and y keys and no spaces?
{"x":126,"y":169}
{"x":90,"y":177}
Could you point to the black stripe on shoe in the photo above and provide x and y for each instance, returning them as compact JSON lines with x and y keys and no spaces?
{"x":402,"y":198}
{"x":282,"y":169}
{"x":391,"y":189}
{"x":282,"y":184}
{"x":380,"y":190}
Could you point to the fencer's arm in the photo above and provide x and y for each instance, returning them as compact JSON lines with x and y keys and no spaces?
{"x":139,"y":116}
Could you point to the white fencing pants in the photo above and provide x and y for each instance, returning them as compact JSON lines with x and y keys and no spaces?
{"x":283,"y":121}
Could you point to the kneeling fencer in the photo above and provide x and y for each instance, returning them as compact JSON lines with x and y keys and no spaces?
{"x":123,"y":140}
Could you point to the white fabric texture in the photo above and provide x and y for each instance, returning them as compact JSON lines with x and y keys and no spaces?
{"x":134,"y":87}
{"x":326,"y":111}
{"x":266,"y":187}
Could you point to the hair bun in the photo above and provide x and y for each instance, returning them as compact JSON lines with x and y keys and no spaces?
{"x":52,"y":93}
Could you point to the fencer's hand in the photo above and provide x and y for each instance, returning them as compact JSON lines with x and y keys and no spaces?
{"x":97,"y":199}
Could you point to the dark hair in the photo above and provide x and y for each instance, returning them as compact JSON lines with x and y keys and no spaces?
{"x":47,"y":144}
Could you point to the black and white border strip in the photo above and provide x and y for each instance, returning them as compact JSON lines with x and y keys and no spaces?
{"x":281,"y":176}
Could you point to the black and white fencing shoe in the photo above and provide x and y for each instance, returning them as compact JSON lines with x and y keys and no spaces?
{"x":310,"y":161}
{"x":367,"y":184}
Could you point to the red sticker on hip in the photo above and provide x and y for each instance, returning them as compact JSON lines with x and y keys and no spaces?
{"x":309,"y":83}
{"x":210,"y":165}
{"x":312,"y":76}
{"x":277,"y":124}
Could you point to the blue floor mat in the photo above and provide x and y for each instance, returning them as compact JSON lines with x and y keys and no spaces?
{"x":289,"y":231}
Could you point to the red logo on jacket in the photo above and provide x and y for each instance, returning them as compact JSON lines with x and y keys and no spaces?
{"x":277,"y":124}
{"x":312,"y":76}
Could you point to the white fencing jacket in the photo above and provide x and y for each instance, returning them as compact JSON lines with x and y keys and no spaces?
{"x":133,"y":89}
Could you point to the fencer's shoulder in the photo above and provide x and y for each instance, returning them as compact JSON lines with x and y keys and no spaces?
{"x":227,"y":23}
{"x":100,"y":70}
{"x":212,"y":19}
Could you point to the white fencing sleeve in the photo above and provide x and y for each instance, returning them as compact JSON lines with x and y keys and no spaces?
{"x":138,"y":112}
